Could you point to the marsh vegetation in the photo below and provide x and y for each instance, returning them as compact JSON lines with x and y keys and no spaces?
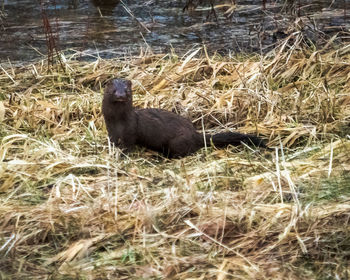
{"x":72,"y":206}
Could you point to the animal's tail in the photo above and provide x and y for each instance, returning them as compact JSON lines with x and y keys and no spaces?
{"x":233,"y":138}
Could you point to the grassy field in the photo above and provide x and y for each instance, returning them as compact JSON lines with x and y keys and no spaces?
{"x":74,"y":207}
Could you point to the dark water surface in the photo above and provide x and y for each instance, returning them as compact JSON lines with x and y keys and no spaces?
{"x":159,"y":25}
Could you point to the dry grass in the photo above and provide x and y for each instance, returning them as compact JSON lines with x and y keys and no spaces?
{"x":73,"y":207}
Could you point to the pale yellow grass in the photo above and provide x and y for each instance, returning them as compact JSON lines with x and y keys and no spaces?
{"x":72,"y":206}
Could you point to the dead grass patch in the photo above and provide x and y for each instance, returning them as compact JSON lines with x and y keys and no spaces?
{"x":74,"y":207}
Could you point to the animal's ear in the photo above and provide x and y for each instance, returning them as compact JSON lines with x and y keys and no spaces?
{"x":107,"y":83}
{"x":129,"y":83}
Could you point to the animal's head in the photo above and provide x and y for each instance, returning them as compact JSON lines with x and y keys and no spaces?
{"x":118,"y":90}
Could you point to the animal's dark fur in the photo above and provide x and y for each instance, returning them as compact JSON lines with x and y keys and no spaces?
{"x":157,"y":129}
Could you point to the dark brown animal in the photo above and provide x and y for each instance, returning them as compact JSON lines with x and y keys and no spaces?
{"x":157,"y":129}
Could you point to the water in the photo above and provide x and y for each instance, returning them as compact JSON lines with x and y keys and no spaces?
{"x":159,"y":25}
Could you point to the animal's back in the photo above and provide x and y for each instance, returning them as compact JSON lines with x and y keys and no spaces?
{"x":159,"y":129}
